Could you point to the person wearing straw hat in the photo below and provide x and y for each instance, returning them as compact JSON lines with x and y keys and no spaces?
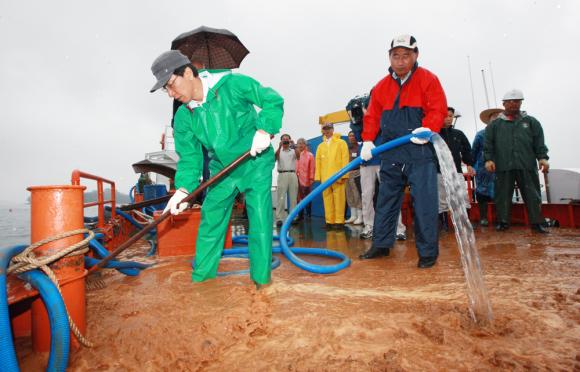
{"x":484,"y":180}
{"x":514,"y":150}
{"x":218,"y":113}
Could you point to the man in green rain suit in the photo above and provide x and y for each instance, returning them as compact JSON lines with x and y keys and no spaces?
{"x":218,"y":113}
{"x":514,"y":149}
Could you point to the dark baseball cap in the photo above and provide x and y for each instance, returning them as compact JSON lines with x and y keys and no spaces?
{"x":164,"y":65}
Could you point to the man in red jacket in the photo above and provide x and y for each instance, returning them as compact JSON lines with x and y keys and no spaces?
{"x":409,"y":99}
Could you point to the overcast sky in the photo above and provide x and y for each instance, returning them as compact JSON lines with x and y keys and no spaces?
{"x":75,"y":75}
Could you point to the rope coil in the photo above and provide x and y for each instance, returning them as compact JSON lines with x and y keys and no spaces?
{"x":27,"y":260}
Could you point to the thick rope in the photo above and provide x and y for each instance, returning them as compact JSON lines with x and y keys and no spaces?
{"x":141,"y":217}
{"x":27,"y":260}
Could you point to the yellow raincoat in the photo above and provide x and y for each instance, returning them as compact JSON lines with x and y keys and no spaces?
{"x":331,"y":156}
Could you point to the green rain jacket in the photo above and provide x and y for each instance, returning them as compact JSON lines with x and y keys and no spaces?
{"x":225,"y":125}
{"x":515,"y":143}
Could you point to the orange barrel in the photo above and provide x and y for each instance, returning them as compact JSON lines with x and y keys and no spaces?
{"x":55,"y":210}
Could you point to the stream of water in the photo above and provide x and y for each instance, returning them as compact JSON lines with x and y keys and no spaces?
{"x":479,"y":305}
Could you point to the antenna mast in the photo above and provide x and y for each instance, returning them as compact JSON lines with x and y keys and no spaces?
{"x":485,"y":88}
{"x":472,"y":95}
{"x":492,"y":84}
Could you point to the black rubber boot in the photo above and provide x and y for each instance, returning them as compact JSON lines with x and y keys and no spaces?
{"x":443,"y":224}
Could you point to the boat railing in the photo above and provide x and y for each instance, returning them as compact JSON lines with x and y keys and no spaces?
{"x":100,"y":203}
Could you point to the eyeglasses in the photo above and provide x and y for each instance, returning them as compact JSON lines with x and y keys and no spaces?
{"x":169,"y":84}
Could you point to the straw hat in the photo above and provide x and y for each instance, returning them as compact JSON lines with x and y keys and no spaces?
{"x":485,"y":115}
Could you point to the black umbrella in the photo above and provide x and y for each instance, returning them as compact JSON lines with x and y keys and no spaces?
{"x":215,"y":48}
{"x":166,"y":169}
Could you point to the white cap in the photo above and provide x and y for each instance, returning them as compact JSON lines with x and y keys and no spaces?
{"x":513,"y":94}
{"x":404,"y":41}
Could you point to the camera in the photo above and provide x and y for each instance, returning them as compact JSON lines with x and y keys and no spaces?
{"x":285,"y":142}
{"x":355,"y":109}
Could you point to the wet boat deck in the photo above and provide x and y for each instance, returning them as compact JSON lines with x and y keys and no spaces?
{"x":382,"y":314}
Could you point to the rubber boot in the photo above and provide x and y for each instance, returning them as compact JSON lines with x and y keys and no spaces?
{"x":353,"y":215}
{"x":443,"y":224}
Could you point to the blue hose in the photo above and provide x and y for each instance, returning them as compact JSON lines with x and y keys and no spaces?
{"x":286,"y":241}
{"x":59,"y":326}
{"x":153,"y":249}
{"x":331,"y":269}
{"x":131,"y":220}
{"x":149,"y":210}
{"x":8,"y":360}
{"x":126,"y":216}
{"x":131,"y":197}
{"x":244,"y":253}
{"x":128,"y":268}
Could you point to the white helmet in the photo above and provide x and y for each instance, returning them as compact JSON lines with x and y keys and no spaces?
{"x":513,"y":94}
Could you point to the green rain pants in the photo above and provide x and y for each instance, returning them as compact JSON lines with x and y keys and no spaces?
{"x":253,"y":178}
{"x":528,"y":184}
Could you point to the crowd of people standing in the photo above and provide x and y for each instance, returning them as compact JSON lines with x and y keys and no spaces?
{"x":410,"y":99}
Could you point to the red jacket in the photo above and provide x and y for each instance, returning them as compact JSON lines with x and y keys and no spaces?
{"x":397,"y":110}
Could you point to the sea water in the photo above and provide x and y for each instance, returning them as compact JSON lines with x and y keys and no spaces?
{"x":479,"y":305}
{"x":14,"y":224}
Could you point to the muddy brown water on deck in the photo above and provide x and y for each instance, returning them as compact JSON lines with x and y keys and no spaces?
{"x":382,"y":314}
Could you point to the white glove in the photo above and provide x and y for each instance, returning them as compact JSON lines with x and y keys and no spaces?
{"x":173,"y":203}
{"x":365,"y":152}
{"x":260,"y":142}
{"x":417,"y":140}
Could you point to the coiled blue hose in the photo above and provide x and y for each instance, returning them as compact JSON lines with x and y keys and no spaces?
{"x":128,"y":268}
{"x":238,"y":252}
{"x":59,"y":326}
{"x":287,"y":241}
{"x":331,"y":269}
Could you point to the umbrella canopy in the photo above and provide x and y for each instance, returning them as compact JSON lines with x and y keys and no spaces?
{"x":215,"y":48}
{"x":165,"y":169}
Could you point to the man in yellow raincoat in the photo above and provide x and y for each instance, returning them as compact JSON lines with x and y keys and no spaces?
{"x":331,"y":156}
{"x":218,"y":113}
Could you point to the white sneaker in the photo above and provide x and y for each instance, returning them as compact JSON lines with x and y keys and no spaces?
{"x":351,"y":219}
{"x":401,"y":236}
{"x":367,"y":232}
{"x":359,"y":217}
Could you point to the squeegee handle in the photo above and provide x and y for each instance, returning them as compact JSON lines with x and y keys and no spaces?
{"x":145,"y":203}
{"x":189,"y":198}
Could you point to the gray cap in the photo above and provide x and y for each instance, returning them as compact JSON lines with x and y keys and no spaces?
{"x":164,"y":66}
